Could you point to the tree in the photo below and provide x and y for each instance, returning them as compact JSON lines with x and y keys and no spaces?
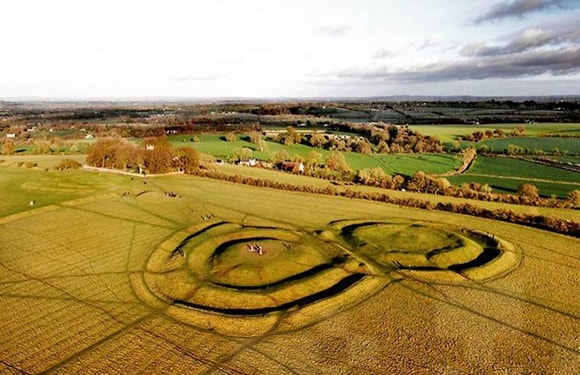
{"x":158,"y":160}
{"x":8,"y":147}
{"x":418,"y":182}
{"x":519,"y":130}
{"x":574,"y":197}
{"x":365,"y":147}
{"x":528,"y":191}
{"x":372,"y":177}
{"x":262,"y":145}
{"x":188,"y":160}
{"x":337,"y":163}
{"x":255,"y":137}
{"x":125,"y":156}
{"x":313,"y":160}
{"x":157,"y":154}
{"x":102,"y":153}
{"x":289,"y":137}
{"x":514,"y":150}
{"x":243,"y":153}
{"x":279,"y":156}
{"x":383,"y":147}
{"x":230,"y":137}
{"x":317,"y":139}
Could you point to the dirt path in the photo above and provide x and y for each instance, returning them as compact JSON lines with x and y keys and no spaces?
{"x":126,"y":173}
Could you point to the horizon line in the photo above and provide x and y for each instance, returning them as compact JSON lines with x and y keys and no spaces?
{"x":48,"y":99}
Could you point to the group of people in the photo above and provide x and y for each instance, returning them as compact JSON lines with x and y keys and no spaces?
{"x":255,"y":248}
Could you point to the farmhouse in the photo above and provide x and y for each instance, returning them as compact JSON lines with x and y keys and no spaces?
{"x":10,"y":135}
{"x":290,"y":166}
{"x":247,"y":162}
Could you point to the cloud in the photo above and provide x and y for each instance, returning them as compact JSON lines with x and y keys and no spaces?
{"x":520,"y":8}
{"x":559,"y":62}
{"x":332,"y":30}
{"x":530,"y":39}
{"x":430,"y":42}
{"x":200,"y":77}
{"x":384,"y":53}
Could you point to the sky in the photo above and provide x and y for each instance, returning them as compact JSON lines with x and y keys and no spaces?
{"x":71,"y":49}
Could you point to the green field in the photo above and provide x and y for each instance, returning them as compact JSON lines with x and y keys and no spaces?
{"x":214,"y":144}
{"x":509,"y":167}
{"x":448,"y":133}
{"x":546,"y":144}
{"x":108,"y":274}
{"x":509,"y":185}
{"x":506,"y":174}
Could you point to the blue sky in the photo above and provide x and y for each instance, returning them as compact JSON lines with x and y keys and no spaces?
{"x":299,"y":48}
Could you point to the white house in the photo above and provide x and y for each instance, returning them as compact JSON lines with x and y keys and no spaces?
{"x":10,"y":135}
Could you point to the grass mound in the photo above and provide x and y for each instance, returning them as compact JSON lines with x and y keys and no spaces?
{"x":428,"y":248}
{"x":276,"y":274}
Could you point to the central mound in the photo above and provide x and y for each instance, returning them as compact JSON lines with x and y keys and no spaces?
{"x":263,"y":262}
{"x":248,"y":280}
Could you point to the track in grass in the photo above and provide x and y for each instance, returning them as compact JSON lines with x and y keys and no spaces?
{"x":245,"y":280}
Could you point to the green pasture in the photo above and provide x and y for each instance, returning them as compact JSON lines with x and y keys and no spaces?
{"x":45,"y":186}
{"x":546,"y":144}
{"x":508,"y":167}
{"x":506,"y":174}
{"x":216,"y":145}
{"x":448,"y":133}
{"x":510,"y":185}
{"x":408,"y":164}
{"x":567,"y":159}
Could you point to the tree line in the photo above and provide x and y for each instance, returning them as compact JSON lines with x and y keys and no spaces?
{"x":369,"y":139}
{"x":153,"y":155}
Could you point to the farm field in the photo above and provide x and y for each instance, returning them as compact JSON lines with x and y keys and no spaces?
{"x":448,"y":133}
{"x":215,"y":145}
{"x":546,"y":144}
{"x":113,"y":275}
{"x":506,"y":174}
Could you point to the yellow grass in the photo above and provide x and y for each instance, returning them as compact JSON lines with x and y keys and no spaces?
{"x":76,"y":299}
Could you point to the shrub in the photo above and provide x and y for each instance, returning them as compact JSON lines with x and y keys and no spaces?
{"x":68,"y":164}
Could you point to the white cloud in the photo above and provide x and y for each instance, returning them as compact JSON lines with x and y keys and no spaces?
{"x":250,"y":48}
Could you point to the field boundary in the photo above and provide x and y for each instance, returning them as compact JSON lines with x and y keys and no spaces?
{"x":127,"y":173}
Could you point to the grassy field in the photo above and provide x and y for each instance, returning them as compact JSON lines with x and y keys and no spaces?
{"x":506,"y":174}
{"x":215,"y":144}
{"x":546,"y":144}
{"x":503,"y":175}
{"x":93,"y":279}
{"x":448,"y":133}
